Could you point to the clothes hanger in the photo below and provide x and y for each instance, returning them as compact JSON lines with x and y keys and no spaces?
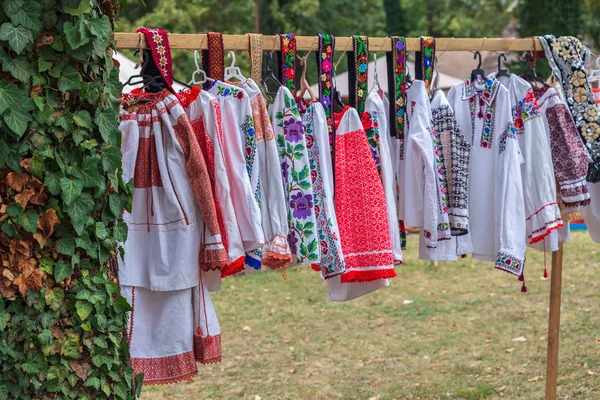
{"x":232,"y":71}
{"x":530,"y":73}
{"x":270,"y":76}
{"x":376,"y":74}
{"x":205,"y":78}
{"x":148,"y":81}
{"x":501,"y":72}
{"x":304,"y":85}
{"x":477,"y":72}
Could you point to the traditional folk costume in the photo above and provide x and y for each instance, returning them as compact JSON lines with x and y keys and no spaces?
{"x":591,"y":211}
{"x":497,"y":229}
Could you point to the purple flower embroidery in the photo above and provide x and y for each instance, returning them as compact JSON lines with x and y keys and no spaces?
{"x":285,"y":167}
{"x":293,"y":130}
{"x":301,"y":205}
{"x":325,"y":102}
{"x":400,"y":45}
{"x":293,"y":242}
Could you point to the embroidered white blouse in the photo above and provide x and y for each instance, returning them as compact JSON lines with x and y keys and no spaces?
{"x":496,"y":216}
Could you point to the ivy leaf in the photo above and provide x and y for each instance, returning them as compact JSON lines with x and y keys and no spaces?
{"x":84,"y":309}
{"x":80,"y":210}
{"x":101,"y":231}
{"x":120,"y":232}
{"x":62,"y":271}
{"x":46,"y":318}
{"x":115,"y":204}
{"x":71,"y":189}
{"x":66,"y":245}
{"x":89,"y":173}
{"x":54,"y":298}
{"x":17,"y":37}
{"x":45,"y":337}
{"x":12,"y":6}
{"x":52,"y":182}
{"x":106,"y":119}
{"x":83,"y":119}
{"x":28,"y":220}
{"x":18,"y":67}
{"x":8,"y":94}
{"x":111,"y":158}
{"x":28,"y":16}
{"x":93,"y":382}
{"x":47,"y":265}
{"x":76,"y":34}
{"x":9,"y":157}
{"x":17,"y":120}
{"x":70,"y":79}
{"x":82,"y":8}
{"x":72,"y":3}
{"x":4,"y":318}
{"x":70,"y":347}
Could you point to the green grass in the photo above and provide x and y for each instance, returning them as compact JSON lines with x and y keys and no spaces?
{"x":283,"y":339}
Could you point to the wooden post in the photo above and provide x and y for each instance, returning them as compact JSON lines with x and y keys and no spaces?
{"x":554,"y":324}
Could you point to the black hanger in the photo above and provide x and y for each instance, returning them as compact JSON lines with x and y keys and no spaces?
{"x":501,"y":72}
{"x":531,"y":75}
{"x":151,"y":82}
{"x":477,"y":71}
{"x":338,"y":103}
{"x":270,"y":75}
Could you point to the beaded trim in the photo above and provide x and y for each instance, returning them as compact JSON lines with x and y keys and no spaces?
{"x":256,"y":41}
{"x":428,"y":59}
{"x":358,"y":67}
{"x":158,"y":41}
{"x":396,"y":61}
{"x":213,"y":59}
{"x":288,"y":61}
{"x":326,"y":89}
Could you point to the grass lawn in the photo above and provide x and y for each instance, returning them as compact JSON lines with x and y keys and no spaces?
{"x":448,"y":331}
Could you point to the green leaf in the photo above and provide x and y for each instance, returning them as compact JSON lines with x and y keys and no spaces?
{"x":303,"y":250}
{"x":84,"y":309}
{"x":304,"y":185}
{"x":8,"y":94}
{"x":9,"y":156}
{"x":87,"y":326}
{"x":93,"y":383}
{"x":62,"y":271}
{"x":66,"y":245}
{"x":101,"y":231}
{"x":80,"y":210}
{"x":89,"y":173}
{"x":83,"y":119}
{"x":4,"y":318}
{"x":71,"y":189}
{"x":122,"y":301}
{"x":101,"y":359}
{"x":46,"y":318}
{"x":17,"y":37}
{"x":9,"y":229}
{"x":82,"y":8}
{"x":11,"y":7}
{"x":304,"y":173}
{"x":47,"y":265}
{"x":70,"y":347}
{"x":107,"y":121}
{"x":111,"y":157}
{"x":76,"y":34}
{"x":120,"y":232}
{"x":18,"y":67}
{"x":70,"y":79}
{"x":45,"y":337}
{"x":17,"y":120}
{"x":28,"y":16}
{"x":100,"y":28}
{"x":312,"y":246}
{"x":100,"y":342}
{"x":72,"y":3}
{"x":44,"y":65}
{"x":37,"y":166}
{"x":30,"y":367}
{"x":28,"y":220}
{"x":54,"y":298}
{"x":52,"y":182}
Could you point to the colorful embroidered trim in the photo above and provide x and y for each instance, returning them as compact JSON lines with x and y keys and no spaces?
{"x":396,"y":61}
{"x":326,"y":89}
{"x":428,"y":59}
{"x":567,"y":57}
{"x":288,"y":61}
{"x":158,"y":41}
{"x":256,"y":41}
{"x":213,"y":59}
{"x":510,"y":264}
{"x":358,"y":67}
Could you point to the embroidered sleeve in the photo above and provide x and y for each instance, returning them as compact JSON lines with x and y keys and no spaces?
{"x":569,"y":156}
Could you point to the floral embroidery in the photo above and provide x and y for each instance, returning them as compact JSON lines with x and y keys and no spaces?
{"x":288,"y":61}
{"x":567,"y":56}
{"x":371,"y":126}
{"x":325,"y":63}
{"x":428,"y":54}
{"x":213,"y":58}
{"x":230,"y":91}
{"x":508,"y":263}
{"x":158,"y":41}
{"x":295,"y":169}
{"x":509,"y":133}
{"x":529,"y":107}
{"x":358,"y":67}
{"x":485,"y":99}
{"x":332,"y":262}
{"x":250,"y":151}
{"x":397,"y":87}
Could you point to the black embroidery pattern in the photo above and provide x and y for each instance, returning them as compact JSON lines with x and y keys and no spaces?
{"x":454,"y":152}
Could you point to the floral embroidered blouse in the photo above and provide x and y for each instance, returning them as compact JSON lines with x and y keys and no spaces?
{"x":295,"y":169}
{"x":496,"y":216}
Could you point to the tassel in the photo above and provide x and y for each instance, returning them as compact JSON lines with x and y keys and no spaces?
{"x":524,"y":288}
{"x":522,"y":277}
{"x":545,"y":273}
{"x":463,"y":256}
{"x":199,"y":331}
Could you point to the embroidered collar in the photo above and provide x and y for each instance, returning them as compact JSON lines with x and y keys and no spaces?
{"x":158,"y":41}
{"x":488,"y":91}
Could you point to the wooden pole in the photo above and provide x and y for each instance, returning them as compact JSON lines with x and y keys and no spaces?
{"x":554,"y":324}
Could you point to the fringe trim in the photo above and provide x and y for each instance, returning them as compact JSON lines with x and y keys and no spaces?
{"x":233,"y":268}
{"x":276,"y":260}
{"x":213,"y":259}
{"x":367,"y":276}
{"x":252,"y":262}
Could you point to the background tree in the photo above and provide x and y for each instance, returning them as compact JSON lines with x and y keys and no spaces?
{"x":62,"y":319}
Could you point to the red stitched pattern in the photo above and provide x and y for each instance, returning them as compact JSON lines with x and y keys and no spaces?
{"x":213,"y":59}
{"x":146,"y":172}
{"x":208,"y":349}
{"x":197,"y":173}
{"x":158,"y":40}
{"x":163,"y":370}
{"x":361,"y":209}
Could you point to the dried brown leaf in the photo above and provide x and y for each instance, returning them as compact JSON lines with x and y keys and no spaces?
{"x":17,"y":180}
{"x":24,"y":198}
{"x":7,"y":290}
{"x":34,"y":280}
{"x":47,"y":222}
{"x":8,"y":274}
{"x":81,"y":368}
{"x":20,"y":283}
{"x":26,"y":164}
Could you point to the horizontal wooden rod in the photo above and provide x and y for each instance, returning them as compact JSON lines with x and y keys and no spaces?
{"x":179,"y":41}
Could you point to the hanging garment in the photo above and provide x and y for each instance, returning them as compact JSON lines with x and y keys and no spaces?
{"x":567,"y":57}
{"x":418,"y":174}
{"x":539,"y":188}
{"x":496,"y":216}
{"x":276,"y":251}
{"x":204,"y":112}
{"x":317,"y":142}
{"x":295,"y":170}
{"x":375,"y":124}
{"x":591,"y":211}
{"x":360,"y":204}
{"x":239,"y":143}
{"x":172,"y":204}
